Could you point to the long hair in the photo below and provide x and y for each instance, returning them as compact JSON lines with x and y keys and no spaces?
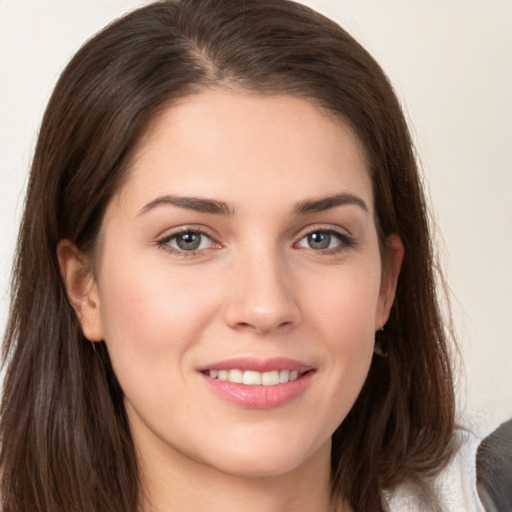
{"x":65,"y":438}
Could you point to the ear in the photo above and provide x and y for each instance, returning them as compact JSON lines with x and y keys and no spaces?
{"x":393,"y":255}
{"x":82,"y":289}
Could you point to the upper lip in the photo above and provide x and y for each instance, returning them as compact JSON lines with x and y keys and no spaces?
{"x":258,"y":365}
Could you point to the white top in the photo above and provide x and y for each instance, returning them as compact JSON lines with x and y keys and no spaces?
{"x":455,"y":485}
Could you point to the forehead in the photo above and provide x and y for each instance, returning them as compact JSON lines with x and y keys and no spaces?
{"x":231,"y":144}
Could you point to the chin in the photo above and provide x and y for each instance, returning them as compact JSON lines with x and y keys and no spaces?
{"x":259,"y":457}
{"x":256,"y":466}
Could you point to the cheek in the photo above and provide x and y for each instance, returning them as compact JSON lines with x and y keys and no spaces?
{"x":151,"y":318}
{"x":342,"y":314}
{"x":346,"y":302}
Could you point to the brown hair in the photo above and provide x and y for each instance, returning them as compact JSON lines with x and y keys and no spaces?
{"x":65,"y":439}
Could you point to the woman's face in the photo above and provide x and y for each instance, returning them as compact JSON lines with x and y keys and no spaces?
{"x":239,"y":283}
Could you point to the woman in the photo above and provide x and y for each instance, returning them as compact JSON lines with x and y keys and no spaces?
{"x":224,"y":291}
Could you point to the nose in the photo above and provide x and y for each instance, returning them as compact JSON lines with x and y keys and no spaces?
{"x":261,"y":295}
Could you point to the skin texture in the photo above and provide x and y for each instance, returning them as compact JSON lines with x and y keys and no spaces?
{"x":255,"y":287}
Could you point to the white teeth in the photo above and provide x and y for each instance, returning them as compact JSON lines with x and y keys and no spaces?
{"x":253,"y":378}
{"x":236,"y":376}
{"x":270,"y":378}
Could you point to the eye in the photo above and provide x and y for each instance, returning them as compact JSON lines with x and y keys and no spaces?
{"x":186,"y":241}
{"x":321,"y":240}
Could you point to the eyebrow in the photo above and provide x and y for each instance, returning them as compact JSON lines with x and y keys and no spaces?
{"x":215,"y":207}
{"x":326,"y":203}
{"x":197,"y":204}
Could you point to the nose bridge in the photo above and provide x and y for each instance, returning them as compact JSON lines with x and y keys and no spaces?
{"x":262,"y":297}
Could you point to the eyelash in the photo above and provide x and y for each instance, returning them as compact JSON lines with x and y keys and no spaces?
{"x":163,"y":242}
{"x":345,"y":241}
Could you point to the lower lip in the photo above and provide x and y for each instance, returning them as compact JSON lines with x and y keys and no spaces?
{"x":259,"y":397}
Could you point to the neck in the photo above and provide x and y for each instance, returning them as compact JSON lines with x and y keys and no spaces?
{"x":173,"y":482}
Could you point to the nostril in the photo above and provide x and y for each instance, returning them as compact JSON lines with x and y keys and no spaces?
{"x":263,"y":327}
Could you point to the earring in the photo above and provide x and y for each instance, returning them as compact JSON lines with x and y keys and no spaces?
{"x":380,"y":348}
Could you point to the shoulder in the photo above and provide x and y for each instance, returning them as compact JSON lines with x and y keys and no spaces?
{"x":494,"y":468}
{"x":454,"y":485}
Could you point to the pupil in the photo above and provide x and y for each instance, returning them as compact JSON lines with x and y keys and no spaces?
{"x":319,"y":240}
{"x":189,"y":241}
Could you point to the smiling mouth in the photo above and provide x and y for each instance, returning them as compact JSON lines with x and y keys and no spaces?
{"x":255,"y":378}
{"x":253,"y":383}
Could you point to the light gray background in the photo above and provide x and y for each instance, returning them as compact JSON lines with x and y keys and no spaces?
{"x":450,"y":61}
